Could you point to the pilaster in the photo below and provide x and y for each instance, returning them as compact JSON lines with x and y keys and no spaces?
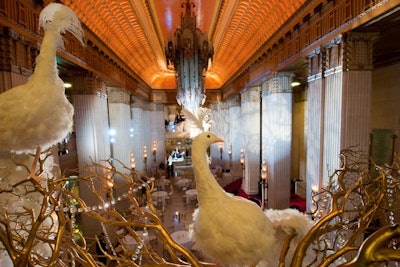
{"x":234,"y":139}
{"x":315,"y":121}
{"x":157,"y":131}
{"x":277,"y":137}
{"x":339,"y":104}
{"x":119,"y":116}
{"x":250,"y":131}
{"x":92,"y":135}
{"x":139,"y":128}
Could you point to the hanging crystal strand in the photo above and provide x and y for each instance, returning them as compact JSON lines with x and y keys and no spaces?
{"x":103,"y":227}
{"x":389,"y":193}
{"x":108,"y":241}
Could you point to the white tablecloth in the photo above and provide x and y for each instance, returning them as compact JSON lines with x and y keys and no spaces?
{"x":182,"y":238}
{"x":160,"y":196}
{"x":162,"y":183}
{"x":181,"y":183}
{"x":190,"y":195}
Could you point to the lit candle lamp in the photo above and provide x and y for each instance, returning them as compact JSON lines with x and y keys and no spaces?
{"x":145,"y":152}
{"x":154,"y":148}
{"x":132,"y":161}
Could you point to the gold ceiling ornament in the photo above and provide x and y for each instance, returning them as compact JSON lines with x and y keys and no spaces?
{"x":189,"y":54}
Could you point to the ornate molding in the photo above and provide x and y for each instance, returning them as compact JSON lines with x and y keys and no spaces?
{"x":358,"y":50}
{"x":280,"y":82}
{"x":251,"y":94}
{"x":118,"y":95}
{"x":139,"y":103}
{"x":233,"y":102}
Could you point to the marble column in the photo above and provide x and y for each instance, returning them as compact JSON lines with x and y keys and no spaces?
{"x":277,"y":138}
{"x":250,"y":132}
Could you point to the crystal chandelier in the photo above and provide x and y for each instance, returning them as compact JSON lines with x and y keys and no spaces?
{"x":189,"y":54}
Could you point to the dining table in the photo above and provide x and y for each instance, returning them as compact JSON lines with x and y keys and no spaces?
{"x":191,"y":194}
{"x":162,"y":183}
{"x":183,"y":183}
{"x":160,"y":196}
{"x":182,"y":237}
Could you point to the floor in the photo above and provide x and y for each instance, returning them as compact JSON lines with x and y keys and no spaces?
{"x":177,"y":213}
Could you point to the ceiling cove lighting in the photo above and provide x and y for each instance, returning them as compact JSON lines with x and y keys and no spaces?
{"x":295,"y":83}
{"x":189,"y":54}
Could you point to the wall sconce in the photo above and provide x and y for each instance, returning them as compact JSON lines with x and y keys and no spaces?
{"x":264,"y":183}
{"x":67,"y":85}
{"x":154,"y":148}
{"x":295,"y":83}
{"x":109,"y":178}
{"x":221,"y":147}
{"x":145,"y":152}
{"x":112,"y":134}
{"x":145,"y":158}
{"x":230,"y":156}
{"x":242,"y":161}
{"x":132,"y":161}
{"x":314,"y":199}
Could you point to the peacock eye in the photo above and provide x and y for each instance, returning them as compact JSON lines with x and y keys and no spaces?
{"x":208,"y":136}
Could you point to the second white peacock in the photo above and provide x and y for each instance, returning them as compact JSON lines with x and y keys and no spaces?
{"x":37,"y":113}
{"x":233,"y":230}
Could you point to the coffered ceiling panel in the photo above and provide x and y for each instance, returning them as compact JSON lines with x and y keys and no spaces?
{"x":138,"y":30}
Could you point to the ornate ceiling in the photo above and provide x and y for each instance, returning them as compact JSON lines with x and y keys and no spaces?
{"x":138,"y":31}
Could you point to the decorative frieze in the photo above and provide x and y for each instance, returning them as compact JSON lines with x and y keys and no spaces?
{"x":333,"y":56}
{"x":316,"y":61}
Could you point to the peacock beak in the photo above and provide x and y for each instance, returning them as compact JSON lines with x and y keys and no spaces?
{"x":217,"y":140}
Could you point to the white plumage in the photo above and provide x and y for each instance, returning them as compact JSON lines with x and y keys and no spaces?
{"x":38,"y":114}
{"x":233,"y":230}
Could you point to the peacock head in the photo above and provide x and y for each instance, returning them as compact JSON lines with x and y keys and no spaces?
{"x":206,"y":139}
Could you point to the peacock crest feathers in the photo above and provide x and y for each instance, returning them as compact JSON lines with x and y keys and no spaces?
{"x":58,"y":17}
{"x":198,"y":121}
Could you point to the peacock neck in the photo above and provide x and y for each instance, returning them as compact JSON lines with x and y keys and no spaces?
{"x":207,"y":186}
{"x":46,"y":60}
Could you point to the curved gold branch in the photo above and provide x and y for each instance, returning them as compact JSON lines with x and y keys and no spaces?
{"x":372,"y":251}
{"x":285,"y":248}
